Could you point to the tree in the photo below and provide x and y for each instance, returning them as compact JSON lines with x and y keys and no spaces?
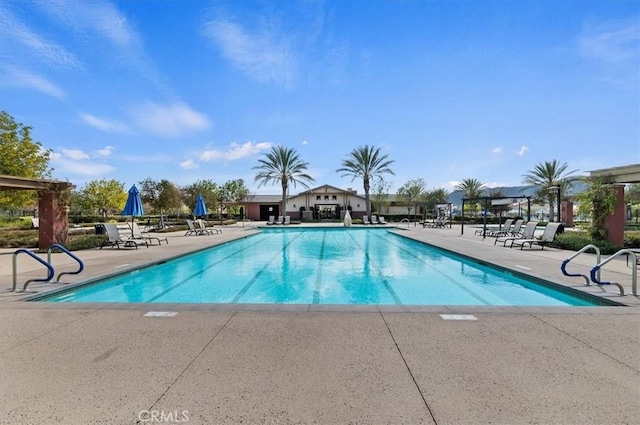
{"x":104,"y":196}
{"x":412,"y":194}
{"x":233,"y":192}
{"x":207,"y":188}
{"x":367,"y":163}
{"x":20,"y":156}
{"x":282,"y":165}
{"x":472,"y":188}
{"x":598,"y":202}
{"x":499,"y":208}
{"x":381,"y":193}
{"x":544,"y":176}
{"x":161,"y":195}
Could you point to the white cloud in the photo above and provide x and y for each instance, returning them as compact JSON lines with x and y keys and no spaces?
{"x":74,"y":154}
{"x":106,"y":151}
{"x":25,"y":79}
{"x":235,"y":151}
{"x":189,"y":164}
{"x":102,"y":124}
{"x":264,"y":55}
{"x":496,"y":150}
{"x":613,"y":45}
{"x":170,"y":120}
{"x":83,"y":168}
{"x":522,"y":150}
{"x":49,"y":52}
{"x":304,"y":142}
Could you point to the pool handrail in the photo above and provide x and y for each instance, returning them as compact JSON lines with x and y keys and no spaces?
{"x":563,"y":267}
{"x":634,"y":271}
{"x":50,"y":270}
{"x":402,"y":221}
{"x":66,"y":251}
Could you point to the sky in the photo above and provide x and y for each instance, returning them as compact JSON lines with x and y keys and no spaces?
{"x":449,"y":90}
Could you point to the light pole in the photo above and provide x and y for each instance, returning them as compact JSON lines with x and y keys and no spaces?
{"x":555,"y":190}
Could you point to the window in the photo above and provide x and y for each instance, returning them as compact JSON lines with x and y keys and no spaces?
{"x":334,"y":197}
{"x":318,"y":197}
{"x":326,"y":197}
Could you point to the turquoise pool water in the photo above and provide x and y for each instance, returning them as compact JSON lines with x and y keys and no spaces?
{"x":321,"y":266}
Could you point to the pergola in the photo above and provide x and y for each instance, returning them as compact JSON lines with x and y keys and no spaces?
{"x":485,"y":201}
{"x":53,"y":226}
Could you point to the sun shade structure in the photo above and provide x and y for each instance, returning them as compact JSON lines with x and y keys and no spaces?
{"x":133,"y":207}
{"x":201,"y":208}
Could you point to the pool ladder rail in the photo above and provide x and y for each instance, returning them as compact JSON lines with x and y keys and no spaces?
{"x":594,"y":275}
{"x":48,"y":264}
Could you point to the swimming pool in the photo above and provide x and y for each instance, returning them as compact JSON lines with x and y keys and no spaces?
{"x":321,"y":266}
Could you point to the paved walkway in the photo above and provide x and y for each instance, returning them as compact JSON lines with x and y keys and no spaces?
{"x":103,"y":363}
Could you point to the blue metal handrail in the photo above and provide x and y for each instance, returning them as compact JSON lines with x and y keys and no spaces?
{"x":66,"y":251}
{"x":563,"y":267}
{"x":51,"y":272}
{"x":634,"y":271}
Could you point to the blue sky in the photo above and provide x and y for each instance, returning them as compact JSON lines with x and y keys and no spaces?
{"x":188,"y":90}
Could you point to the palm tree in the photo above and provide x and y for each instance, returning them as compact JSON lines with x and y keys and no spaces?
{"x":548,"y":174}
{"x":472,"y":188}
{"x":282,"y":165}
{"x":366,"y":162}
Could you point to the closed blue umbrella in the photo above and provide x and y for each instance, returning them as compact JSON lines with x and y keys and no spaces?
{"x":201,"y":208}
{"x":133,"y":207}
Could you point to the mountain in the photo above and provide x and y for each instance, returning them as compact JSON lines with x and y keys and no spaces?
{"x":512,"y":192}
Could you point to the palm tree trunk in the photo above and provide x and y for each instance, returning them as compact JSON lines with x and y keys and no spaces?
{"x":366,"y":196}
{"x":284,"y":199}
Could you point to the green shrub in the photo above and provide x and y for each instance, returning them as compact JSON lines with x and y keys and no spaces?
{"x":575,"y":241}
{"x":79,"y":242}
{"x":632,"y":239}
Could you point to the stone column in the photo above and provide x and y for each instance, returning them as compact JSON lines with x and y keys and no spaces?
{"x":614,"y":224}
{"x":54,"y":226}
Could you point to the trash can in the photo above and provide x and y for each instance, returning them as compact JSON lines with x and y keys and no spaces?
{"x":100,"y":230}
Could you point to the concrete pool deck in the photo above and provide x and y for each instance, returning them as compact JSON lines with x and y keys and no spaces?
{"x":109,"y":363}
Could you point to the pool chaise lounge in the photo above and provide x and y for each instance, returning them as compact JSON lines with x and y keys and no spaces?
{"x":115,"y":239}
{"x":547,"y":237}
{"x":139,"y":234}
{"x":527,"y":233}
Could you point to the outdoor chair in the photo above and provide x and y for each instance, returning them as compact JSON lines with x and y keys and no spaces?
{"x":207,"y":230}
{"x":547,"y":237}
{"x":504,"y":231}
{"x":139,"y":234}
{"x":193,"y":230}
{"x":287,"y":219}
{"x":374,"y":219}
{"x":280,"y":220}
{"x":115,"y":239}
{"x":272,"y":220}
{"x":365,"y":219}
{"x":381,"y":220}
{"x":527,"y":233}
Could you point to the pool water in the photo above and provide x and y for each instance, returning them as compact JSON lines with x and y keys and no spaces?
{"x":321,"y":266}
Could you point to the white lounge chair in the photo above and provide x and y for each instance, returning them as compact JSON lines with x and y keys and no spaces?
{"x":547,"y":237}
{"x":287,"y":220}
{"x":381,"y":220}
{"x":272,"y":220}
{"x":207,"y":230}
{"x":365,"y":219}
{"x":527,"y":233}
{"x":193,"y":230}
{"x":374,"y":219}
{"x":139,"y":234}
{"x":114,"y":238}
{"x":280,"y":220}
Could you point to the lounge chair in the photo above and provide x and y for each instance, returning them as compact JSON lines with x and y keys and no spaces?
{"x":280,"y":219}
{"x":374,"y":219}
{"x":139,"y":234}
{"x":381,"y":220}
{"x":493,"y":232}
{"x":365,"y":219}
{"x":527,"y":233}
{"x":511,"y":231}
{"x":193,"y":230}
{"x":115,"y":239}
{"x":207,"y":230}
{"x":440,"y":221}
{"x":272,"y":220}
{"x":547,"y":237}
{"x":287,"y":219}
